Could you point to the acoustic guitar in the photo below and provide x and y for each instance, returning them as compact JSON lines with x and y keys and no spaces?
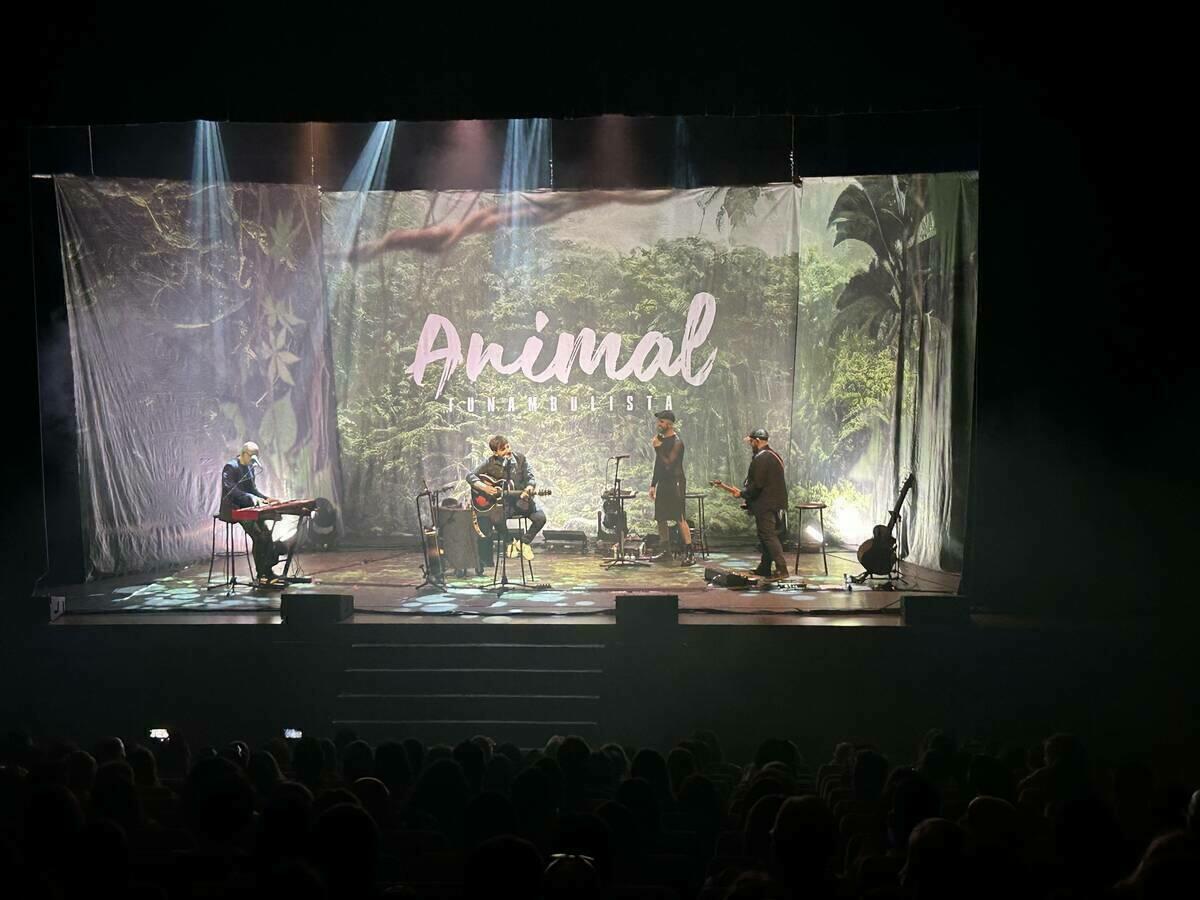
{"x":877,"y":554}
{"x":481,"y":501}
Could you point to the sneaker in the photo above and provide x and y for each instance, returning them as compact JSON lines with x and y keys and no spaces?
{"x":689,"y":558}
{"x":520,"y":547}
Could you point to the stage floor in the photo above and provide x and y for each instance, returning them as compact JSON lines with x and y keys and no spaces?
{"x":385,"y":586}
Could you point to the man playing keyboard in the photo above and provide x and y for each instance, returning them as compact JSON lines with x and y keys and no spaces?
{"x":239,"y":491}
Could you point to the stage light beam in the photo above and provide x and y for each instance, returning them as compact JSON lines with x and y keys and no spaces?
{"x":369,"y":174}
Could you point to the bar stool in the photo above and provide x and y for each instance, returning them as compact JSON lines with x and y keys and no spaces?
{"x":800,"y":509}
{"x":229,"y":557}
{"x":500,"y":553}
{"x":700,"y":532}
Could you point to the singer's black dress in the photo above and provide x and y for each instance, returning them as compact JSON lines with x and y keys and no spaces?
{"x":669,"y":479}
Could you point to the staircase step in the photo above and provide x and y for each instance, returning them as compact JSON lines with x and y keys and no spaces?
{"x":478,"y":654}
{"x":472,"y":680}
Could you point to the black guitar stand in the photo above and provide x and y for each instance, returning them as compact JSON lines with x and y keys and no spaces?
{"x":614,"y":505}
{"x":431,"y":548}
{"x":888,"y":583}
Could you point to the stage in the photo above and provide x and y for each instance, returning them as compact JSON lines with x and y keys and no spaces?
{"x":386,"y":584}
{"x":160,"y":651}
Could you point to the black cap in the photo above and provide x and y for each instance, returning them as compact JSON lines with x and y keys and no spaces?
{"x":667,"y":414}
{"x":759,"y":434}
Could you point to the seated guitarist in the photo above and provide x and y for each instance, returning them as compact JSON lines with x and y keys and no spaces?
{"x":239,"y":491}
{"x":506,"y":466}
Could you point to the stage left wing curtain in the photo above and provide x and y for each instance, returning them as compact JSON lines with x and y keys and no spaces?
{"x":197,"y":323}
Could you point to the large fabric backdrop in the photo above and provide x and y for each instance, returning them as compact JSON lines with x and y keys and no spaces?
{"x":372,"y":341}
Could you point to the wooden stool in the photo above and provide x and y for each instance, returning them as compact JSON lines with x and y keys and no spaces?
{"x":700,"y":532}
{"x":800,"y":508}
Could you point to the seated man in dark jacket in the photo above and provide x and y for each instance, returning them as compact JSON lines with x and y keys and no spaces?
{"x":238,"y":491}
{"x":505,"y":465}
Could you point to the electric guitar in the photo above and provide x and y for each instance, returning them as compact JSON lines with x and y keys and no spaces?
{"x":481,"y":501}
{"x":878,"y":553}
{"x":737,"y":492}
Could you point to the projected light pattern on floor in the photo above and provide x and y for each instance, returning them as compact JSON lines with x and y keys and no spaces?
{"x":387,"y":581}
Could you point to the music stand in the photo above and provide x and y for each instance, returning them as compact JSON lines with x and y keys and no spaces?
{"x":620,"y":557}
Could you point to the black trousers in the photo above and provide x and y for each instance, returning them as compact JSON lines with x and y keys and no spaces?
{"x":495,"y":520}
{"x":265,"y":556}
{"x":769,"y":523}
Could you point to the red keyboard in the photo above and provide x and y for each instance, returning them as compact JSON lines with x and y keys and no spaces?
{"x":275,"y":510}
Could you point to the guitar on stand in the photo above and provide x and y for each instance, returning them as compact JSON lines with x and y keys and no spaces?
{"x":877,"y":554}
{"x":434,"y":567}
{"x":273,"y":512}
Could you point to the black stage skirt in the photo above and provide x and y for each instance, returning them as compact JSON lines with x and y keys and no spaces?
{"x":668,"y":500}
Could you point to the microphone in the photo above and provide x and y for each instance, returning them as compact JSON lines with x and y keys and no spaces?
{"x":622,"y":456}
{"x":254,"y":461}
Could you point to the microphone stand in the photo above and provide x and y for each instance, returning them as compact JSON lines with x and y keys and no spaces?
{"x":620,"y":558}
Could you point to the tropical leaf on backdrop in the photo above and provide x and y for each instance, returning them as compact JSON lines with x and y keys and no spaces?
{"x":736,"y":206}
{"x":888,"y":214}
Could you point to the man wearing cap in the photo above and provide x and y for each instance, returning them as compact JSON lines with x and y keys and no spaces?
{"x":766,"y":496}
{"x":668,"y":485}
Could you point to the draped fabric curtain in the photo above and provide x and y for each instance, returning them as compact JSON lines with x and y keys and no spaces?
{"x":372,"y":341}
{"x":196,"y":324}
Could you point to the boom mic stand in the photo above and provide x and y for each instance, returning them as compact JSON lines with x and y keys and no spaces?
{"x":615,"y":495}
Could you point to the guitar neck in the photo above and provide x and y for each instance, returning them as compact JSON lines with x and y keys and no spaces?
{"x":895,"y":516}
